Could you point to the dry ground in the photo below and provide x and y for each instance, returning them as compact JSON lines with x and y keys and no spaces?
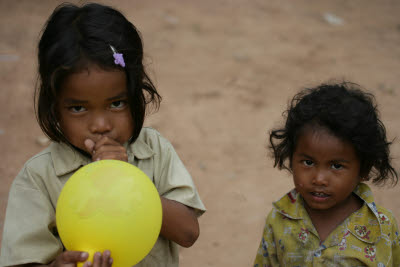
{"x":226,"y":70}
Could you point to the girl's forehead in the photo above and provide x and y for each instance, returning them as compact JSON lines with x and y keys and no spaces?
{"x":322,"y":139}
{"x":316,"y":132}
{"x":86,"y":66}
{"x":315,"y":128}
{"x":92,"y":72}
{"x":94,"y":80}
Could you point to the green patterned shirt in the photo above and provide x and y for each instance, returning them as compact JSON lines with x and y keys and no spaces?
{"x":368,"y":237}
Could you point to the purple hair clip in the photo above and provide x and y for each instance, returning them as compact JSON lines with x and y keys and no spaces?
{"x":118,"y":58}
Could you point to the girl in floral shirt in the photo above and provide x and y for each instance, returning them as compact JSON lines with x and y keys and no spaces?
{"x":331,"y":142}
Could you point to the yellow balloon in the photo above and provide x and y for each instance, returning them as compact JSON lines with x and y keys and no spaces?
{"x":110,"y":205}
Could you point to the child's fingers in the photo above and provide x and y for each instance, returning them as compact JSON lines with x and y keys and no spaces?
{"x":97,"y":260}
{"x":107,"y":260}
{"x":89,"y":144}
{"x":102,"y":260}
{"x":105,"y":140}
{"x":107,"y":148}
{"x":73,"y":256}
{"x":110,"y":153}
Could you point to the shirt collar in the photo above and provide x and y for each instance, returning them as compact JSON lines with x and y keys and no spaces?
{"x":139,"y":149}
{"x":365,"y":223}
{"x":290,"y":205}
{"x":66,"y":159}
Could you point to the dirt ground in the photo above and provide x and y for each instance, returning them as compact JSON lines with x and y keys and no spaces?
{"x":226,"y":70}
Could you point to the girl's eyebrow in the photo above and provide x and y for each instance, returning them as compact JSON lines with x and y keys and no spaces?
{"x":72,"y":101}
{"x":305,"y":155}
{"x":120,"y":95}
{"x":76,"y":101}
{"x":340,"y":160}
{"x":333,"y":160}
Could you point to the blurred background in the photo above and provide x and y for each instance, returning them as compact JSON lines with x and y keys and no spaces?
{"x":226,"y":70}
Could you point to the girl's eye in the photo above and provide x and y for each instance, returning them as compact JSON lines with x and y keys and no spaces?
{"x":76,"y":109}
{"x":118,"y":104}
{"x":308,"y":162}
{"x":337,"y":166}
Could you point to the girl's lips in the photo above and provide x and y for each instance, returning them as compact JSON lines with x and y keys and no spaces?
{"x":319,"y":196}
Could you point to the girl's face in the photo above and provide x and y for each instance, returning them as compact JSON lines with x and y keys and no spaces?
{"x":92,"y":104}
{"x":325,"y":171}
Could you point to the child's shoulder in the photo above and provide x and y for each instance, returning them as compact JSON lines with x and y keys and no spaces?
{"x":34,"y":166}
{"x":39,"y":160}
{"x":366,"y":194}
{"x":55,"y":160}
{"x":385,"y":216}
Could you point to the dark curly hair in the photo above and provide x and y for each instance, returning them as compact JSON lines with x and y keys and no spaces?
{"x":348,"y":113}
{"x":75,"y":37}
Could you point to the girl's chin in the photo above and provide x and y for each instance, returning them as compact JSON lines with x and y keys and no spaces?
{"x":318,"y":205}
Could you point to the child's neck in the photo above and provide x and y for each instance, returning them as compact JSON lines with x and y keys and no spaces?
{"x":325,"y":221}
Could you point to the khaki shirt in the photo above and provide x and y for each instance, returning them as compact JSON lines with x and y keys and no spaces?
{"x":368,"y":237}
{"x":30,"y":234}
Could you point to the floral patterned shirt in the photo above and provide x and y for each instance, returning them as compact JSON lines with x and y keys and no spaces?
{"x":368,"y":237}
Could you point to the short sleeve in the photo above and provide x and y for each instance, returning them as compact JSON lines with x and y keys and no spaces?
{"x":266,"y":254}
{"x":29,"y":224}
{"x":395,"y":243}
{"x":174,"y":181}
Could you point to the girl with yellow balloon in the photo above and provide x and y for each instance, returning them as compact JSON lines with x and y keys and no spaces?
{"x":82,"y":201}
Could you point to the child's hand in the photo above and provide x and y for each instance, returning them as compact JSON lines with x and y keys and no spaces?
{"x":70,"y":258}
{"x":100,"y":260}
{"x":106,"y":148}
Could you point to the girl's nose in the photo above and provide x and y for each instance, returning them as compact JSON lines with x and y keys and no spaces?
{"x":320,"y":178}
{"x":100,"y":124}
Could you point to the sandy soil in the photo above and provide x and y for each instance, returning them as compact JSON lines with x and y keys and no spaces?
{"x":226,"y":70}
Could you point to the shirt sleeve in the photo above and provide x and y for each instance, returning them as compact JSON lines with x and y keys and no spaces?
{"x":266,"y":254}
{"x":395,"y":243}
{"x":29,"y":228}
{"x":174,"y":181}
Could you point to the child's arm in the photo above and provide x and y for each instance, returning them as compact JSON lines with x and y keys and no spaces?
{"x":179,"y":223}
